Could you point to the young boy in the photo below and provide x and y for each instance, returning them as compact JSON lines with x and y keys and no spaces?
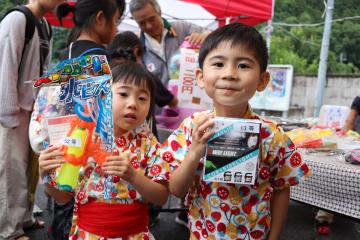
{"x":233,"y":61}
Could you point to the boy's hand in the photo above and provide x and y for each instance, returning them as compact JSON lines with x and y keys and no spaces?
{"x":201,"y":134}
{"x":50,"y":159}
{"x":120,"y":166}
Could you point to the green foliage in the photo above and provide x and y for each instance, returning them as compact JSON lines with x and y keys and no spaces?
{"x":300,"y":45}
{"x":5,"y":5}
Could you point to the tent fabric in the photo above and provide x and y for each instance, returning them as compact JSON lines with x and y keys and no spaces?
{"x":250,"y":12}
{"x":66,"y":21}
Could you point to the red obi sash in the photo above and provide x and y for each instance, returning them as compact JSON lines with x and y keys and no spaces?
{"x":113,"y":219}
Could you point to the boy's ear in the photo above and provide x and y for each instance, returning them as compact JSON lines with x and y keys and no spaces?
{"x":199,"y":78}
{"x":264,"y":80}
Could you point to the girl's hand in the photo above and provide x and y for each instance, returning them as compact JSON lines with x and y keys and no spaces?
{"x":120,"y":166}
{"x":201,"y":134}
{"x":50,"y":159}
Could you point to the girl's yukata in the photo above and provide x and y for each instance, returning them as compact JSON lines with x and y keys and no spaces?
{"x":107,"y":207}
{"x":235,"y":211}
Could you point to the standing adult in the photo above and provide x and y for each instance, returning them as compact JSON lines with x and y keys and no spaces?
{"x":19,"y":64}
{"x":160,"y":41}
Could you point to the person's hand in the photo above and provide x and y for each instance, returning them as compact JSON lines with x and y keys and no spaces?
{"x":174,"y":102}
{"x":120,"y":166}
{"x":201,"y":134}
{"x":197,"y":38}
{"x":50,"y":159}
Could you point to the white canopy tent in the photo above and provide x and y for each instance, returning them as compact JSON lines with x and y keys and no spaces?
{"x":174,"y":10}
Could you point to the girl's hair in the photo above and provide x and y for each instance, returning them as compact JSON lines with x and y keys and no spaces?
{"x":85,"y":11}
{"x":133,"y":73}
{"x":123,"y":46}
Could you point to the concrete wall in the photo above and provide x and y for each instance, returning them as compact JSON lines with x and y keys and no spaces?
{"x":340,"y":90}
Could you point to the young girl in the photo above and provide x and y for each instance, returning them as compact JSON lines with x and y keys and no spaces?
{"x":95,"y":26}
{"x":95,"y":22}
{"x":136,"y":175}
{"x":23,"y":57}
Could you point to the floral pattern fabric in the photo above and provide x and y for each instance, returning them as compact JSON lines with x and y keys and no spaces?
{"x":234,"y":211}
{"x":111,"y":189}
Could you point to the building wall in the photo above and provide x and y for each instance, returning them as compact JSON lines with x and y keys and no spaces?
{"x":339,"y":90}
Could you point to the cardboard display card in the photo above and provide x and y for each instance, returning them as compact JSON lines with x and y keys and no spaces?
{"x":232,"y":154}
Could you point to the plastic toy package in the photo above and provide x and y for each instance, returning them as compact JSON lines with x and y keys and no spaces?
{"x":74,"y":109}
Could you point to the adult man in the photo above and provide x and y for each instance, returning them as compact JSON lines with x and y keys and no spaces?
{"x":160,"y":39}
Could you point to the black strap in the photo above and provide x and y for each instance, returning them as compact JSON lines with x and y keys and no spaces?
{"x":29,"y":27}
{"x":44,"y":30}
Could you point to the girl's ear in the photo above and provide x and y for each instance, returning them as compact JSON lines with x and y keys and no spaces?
{"x":264,"y":80}
{"x":200,"y":78}
{"x":100,"y":18}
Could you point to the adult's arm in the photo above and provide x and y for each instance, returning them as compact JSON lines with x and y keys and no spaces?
{"x":12,"y":38}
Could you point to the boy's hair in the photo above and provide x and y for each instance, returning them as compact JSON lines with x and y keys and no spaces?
{"x":123,"y":46}
{"x":85,"y":11}
{"x":133,"y":73}
{"x":237,"y":34}
{"x":136,"y":5}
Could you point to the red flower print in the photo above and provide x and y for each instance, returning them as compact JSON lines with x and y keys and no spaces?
{"x":293,"y":181}
{"x":196,"y":234}
{"x":132,"y":193}
{"x":254,"y":199}
{"x":267,"y":195}
{"x":120,"y":141}
{"x":224,"y":207}
{"x":204,"y":233}
{"x":215,"y":216}
{"x":246,"y":208}
{"x":264,"y":173}
{"x":115,"y":179}
{"x":256,"y":234}
{"x":168,"y":156}
{"x":80,"y":196}
{"x":280,"y":182}
{"x":99,"y":187}
{"x":99,"y":171}
{"x":264,"y":133}
{"x":88,"y":171}
{"x":221,"y":227}
{"x":134,"y":162}
{"x":263,"y":221}
{"x":210,"y":226}
{"x":155,"y":169}
{"x":198,"y":225}
{"x":242,"y":229}
{"x":244,"y":191}
{"x":175,"y":145}
{"x":235,"y":210}
{"x":305,"y":169}
{"x":222,"y":192}
{"x":295,"y":160}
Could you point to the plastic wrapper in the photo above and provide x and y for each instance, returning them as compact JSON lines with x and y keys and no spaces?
{"x":74,"y":110}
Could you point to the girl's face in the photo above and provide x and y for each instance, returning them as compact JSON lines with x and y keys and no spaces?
{"x":131,"y":105}
{"x":110,"y":28}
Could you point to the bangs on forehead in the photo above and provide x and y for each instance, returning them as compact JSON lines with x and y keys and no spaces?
{"x":138,"y":81}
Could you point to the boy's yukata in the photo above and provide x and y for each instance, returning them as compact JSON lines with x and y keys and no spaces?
{"x":95,"y":187}
{"x":234,"y":211}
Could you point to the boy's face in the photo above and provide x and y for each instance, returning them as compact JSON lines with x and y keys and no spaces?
{"x":131,"y":105}
{"x":231,"y":76}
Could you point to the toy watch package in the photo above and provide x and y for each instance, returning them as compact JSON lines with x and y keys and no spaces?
{"x":74,"y":110}
{"x":232,"y":154}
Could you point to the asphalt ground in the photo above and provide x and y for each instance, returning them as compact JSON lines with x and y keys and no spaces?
{"x":299,"y":224}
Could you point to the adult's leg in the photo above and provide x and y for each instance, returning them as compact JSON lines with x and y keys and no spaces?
{"x":14,"y":158}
